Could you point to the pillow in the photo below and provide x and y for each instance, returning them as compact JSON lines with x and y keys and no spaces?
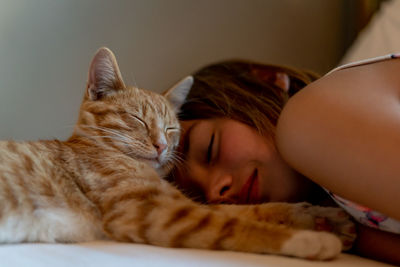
{"x":380,"y":37}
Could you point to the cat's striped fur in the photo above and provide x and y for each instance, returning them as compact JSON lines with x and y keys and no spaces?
{"x":104,"y":183}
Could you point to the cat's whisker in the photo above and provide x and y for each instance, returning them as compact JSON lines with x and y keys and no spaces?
{"x":112,"y":131}
{"x":133,"y":153}
{"x":109,"y":139}
{"x":177,"y":159}
{"x":103,"y":136}
{"x":179,"y":153}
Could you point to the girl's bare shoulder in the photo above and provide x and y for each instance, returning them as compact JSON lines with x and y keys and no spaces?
{"x":342,"y":131}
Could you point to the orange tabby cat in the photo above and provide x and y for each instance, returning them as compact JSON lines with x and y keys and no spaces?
{"x":105,"y":182}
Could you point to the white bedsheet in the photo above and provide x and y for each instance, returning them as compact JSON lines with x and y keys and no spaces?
{"x":99,"y":254}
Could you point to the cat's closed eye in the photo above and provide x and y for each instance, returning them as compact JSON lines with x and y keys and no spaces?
{"x":136,"y":119}
{"x":171,"y":129}
{"x":173,"y":134}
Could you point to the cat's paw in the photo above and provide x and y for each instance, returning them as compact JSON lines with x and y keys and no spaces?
{"x":312,"y":245}
{"x":330,"y":219}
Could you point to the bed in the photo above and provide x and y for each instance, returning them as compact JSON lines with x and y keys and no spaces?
{"x":104,"y":253}
{"x":375,"y":40}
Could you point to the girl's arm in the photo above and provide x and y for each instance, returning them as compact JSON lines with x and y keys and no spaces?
{"x":343,"y":132}
{"x":377,"y":245}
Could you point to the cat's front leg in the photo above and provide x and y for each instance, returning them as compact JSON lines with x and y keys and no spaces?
{"x":151,"y":212}
{"x":181,"y":225}
{"x":301,"y":216}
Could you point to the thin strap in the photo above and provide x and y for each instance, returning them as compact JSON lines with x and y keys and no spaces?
{"x":365,"y":62}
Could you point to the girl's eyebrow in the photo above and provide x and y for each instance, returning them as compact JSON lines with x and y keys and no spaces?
{"x":186,"y":138}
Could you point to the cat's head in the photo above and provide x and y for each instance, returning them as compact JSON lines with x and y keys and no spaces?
{"x":137,"y":122}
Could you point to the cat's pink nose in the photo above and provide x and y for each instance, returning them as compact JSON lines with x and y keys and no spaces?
{"x":160,"y":147}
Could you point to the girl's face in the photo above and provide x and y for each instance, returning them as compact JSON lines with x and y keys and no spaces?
{"x":229,"y":162}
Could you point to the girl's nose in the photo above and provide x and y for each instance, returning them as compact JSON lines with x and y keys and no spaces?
{"x":220,"y":190}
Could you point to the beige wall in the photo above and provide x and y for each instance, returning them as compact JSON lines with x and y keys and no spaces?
{"x":46,"y":46}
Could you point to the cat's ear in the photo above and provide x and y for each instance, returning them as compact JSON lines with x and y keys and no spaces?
{"x":104,"y":75}
{"x":177,"y":94}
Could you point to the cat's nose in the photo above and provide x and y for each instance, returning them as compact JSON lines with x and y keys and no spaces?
{"x":160,"y":147}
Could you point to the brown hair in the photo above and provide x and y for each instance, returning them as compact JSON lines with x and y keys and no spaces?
{"x":244,"y":91}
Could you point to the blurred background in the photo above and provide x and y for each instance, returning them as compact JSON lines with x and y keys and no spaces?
{"x":46,"y":46}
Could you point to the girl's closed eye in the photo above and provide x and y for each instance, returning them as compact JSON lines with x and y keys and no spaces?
{"x":210,"y":149}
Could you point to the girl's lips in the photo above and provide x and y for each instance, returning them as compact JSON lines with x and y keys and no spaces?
{"x":249,"y":194}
